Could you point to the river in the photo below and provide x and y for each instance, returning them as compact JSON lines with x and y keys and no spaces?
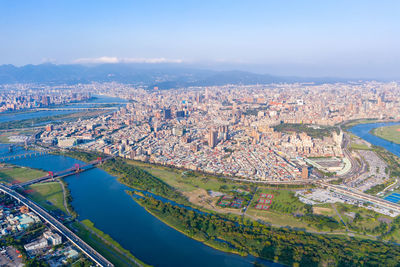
{"x":14,"y":116}
{"x":99,"y":197}
{"x":363,"y":131}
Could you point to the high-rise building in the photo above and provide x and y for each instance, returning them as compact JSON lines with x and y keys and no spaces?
{"x":167,"y":114}
{"x":304,"y":172}
{"x":180,"y":114}
{"x":45,"y":100}
{"x":212,"y":138}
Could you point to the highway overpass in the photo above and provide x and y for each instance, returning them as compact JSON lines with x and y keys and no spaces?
{"x":361,"y":196}
{"x":79,"y":243}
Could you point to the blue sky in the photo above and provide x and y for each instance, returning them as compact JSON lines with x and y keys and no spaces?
{"x":322,"y":38}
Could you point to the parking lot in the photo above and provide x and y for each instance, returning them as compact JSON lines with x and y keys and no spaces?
{"x":376,"y":174}
{"x":9,"y":257}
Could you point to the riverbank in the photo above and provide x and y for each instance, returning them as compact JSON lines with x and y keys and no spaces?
{"x":286,"y":211}
{"x":105,"y":245}
{"x":182,"y":231}
{"x":29,"y":123}
{"x":120,"y":168}
{"x":285,"y":246}
{"x":389,"y":133}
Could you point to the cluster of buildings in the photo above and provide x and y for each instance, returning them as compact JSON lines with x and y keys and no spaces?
{"x":320,"y":196}
{"x":17,"y":220}
{"x":13,"y":220}
{"x":28,"y":96}
{"x":229,"y":130}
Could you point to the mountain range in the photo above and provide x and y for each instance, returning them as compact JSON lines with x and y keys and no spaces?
{"x":164,"y":76}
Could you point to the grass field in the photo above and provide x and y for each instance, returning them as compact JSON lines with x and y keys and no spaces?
{"x":5,"y":135}
{"x":324,"y":210}
{"x":367,"y":220}
{"x":107,"y":250}
{"x":356,"y":146}
{"x":284,"y":201}
{"x":390,"y":133}
{"x":186,"y":183}
{"x":4,"y":139}
{"x":20,"y":174}
{"x":278,"y":219}
{"x":48,"y":195}
{"x":283,"y":204}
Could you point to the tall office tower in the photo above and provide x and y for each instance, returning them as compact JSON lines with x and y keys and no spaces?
{"x":180,"y":113}
{"x":212,"y":138}
{"x":167,"y":114}
{"x":223,"y":132}
{"x":379,"y":101}
{"x":304,"y":172}
{"x":45,"y":100}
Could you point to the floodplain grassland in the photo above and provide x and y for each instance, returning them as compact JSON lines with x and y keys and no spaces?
{"x":186,"y":181}
{"x":5,"y":135}
{"x":364,"y":221}
{"x":48,"y":195}
{"x":389,"y":133}
{"x":286,"y":210}
{"x":356,"y":146}
{"x":11,"y":174}
{"x":104,"y":244}
{"x":33,"y":122}
{"x":287,"y":246}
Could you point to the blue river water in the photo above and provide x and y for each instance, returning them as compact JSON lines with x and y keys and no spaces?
{"x":13,"y":116}
{"x":363,"y":131}
{"x":98,"y":196}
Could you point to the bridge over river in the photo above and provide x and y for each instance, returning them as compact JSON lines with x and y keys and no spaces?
{"x":23,"y":155}
{"x":75,"y":109}
{"x":64,"y":173}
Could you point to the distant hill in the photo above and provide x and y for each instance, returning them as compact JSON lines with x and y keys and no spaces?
{"x":165,"y":76}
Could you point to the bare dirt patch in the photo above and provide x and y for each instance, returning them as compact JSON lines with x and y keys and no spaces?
{"x":322,"y":210}
{"x":201,"y":198}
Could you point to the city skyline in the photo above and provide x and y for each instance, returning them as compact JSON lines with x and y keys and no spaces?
{"x":199,"y":133}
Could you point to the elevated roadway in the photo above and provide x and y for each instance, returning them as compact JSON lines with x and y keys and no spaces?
{"x":353,"y":193}
{"x":73,"y":238}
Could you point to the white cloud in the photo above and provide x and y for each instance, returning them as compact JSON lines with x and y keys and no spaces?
{"x":100,"y":60}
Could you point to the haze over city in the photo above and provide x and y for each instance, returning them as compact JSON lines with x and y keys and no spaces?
{"x":349,"y":39}
{"x":199,"y":133}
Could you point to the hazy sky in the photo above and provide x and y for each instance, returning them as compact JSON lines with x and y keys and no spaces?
{"x":332,"y":37}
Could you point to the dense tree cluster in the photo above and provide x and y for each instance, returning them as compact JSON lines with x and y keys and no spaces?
{"x":140,"y":179}
{"x":278,"y":244}
{"x":305,"y":128}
